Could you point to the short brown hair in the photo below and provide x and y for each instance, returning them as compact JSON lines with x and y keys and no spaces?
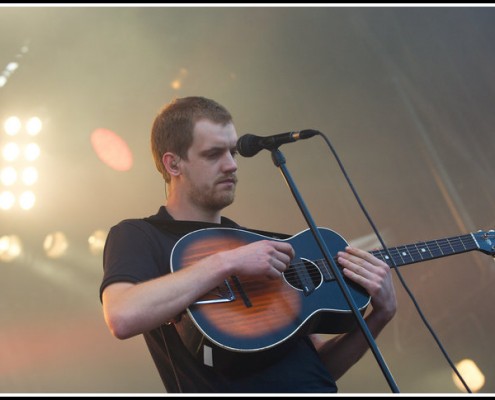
{"x":173,"y":127}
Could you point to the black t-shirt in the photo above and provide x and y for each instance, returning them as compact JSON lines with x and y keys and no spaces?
{"x":138,"y":250}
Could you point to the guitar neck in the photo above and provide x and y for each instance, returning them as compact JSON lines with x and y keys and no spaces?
{"x":423,"y":251}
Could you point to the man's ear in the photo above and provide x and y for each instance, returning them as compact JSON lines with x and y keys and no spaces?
{"x":171,"y":163}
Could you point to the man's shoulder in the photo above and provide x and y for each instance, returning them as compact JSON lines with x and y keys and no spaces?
{"x":132,"y":226}
{"x":143,"y":221}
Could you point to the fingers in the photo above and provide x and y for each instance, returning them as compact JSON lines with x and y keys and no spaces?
{"x":356,"y":255}
{"x":374,"y":276}
{"x":360,"y":260}
{"x":268,"y":258}
{"x":281,"y":255}
{"x":284,"y":248}
{"x":364,"y":268}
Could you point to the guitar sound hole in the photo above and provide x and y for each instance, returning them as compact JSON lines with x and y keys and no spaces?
{"x":302,"y":274}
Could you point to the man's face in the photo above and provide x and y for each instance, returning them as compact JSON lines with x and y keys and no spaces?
{"x":210,"y":169}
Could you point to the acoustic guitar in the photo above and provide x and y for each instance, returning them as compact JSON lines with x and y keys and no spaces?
{"x":247,"y":314}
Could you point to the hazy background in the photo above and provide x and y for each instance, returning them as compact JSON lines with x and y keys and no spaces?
{"x":405,"y":94}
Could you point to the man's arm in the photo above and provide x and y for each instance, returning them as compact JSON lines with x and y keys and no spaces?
{"x":130,"y":309}
{"x":342,"y":352}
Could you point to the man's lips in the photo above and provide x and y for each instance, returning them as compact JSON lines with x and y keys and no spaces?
{"x":229,"y":180}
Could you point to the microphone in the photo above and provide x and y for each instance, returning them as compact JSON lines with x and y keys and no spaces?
{"x":249,"y":145}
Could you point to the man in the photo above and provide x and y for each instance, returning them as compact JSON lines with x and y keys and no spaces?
{"x":194,"y":146}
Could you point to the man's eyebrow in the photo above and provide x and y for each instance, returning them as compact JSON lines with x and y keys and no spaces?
{"x":213,"y":150}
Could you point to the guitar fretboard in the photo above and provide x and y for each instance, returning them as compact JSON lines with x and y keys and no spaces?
{"x":423,"y":251}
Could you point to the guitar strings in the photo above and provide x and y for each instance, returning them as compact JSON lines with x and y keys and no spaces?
{"x":446,"y":247}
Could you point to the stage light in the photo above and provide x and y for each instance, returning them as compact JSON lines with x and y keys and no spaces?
{"x":55,"y":244}
{"x":11,"y":67}
{"x":8,"y":176}
{"x":96,"y":242}
{"x":471,"y":374}
{"x":33,"y":126}
{"x":11,"y":151}
{"x":178,"y":82}
{"x":112,"y":149}
{"x":12,"y":125}
{"x":7,"y":200}
{"x":10,"y":248}
{"x":17,"y":171}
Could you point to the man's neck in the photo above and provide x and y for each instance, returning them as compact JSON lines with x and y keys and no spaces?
{"x":184,"y":212}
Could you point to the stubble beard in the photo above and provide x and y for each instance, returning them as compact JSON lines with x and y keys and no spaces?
{"x":212,"y":200}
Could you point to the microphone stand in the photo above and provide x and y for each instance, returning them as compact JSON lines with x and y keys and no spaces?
{"x":279,"y":161}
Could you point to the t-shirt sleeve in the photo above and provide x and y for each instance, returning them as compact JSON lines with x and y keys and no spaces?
{"x":132,"y":254}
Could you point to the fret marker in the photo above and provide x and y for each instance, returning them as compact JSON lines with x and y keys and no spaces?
{"x":387,"y":257}
{"x":404,"y":253}
{"x":423,"y":250}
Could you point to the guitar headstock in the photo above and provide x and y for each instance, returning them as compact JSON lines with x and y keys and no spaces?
{"x":486,"y":241}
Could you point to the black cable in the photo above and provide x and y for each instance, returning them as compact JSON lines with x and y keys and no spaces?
{"x":393,"y":263}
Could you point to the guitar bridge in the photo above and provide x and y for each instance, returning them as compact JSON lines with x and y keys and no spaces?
{"x":221,"y":294}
